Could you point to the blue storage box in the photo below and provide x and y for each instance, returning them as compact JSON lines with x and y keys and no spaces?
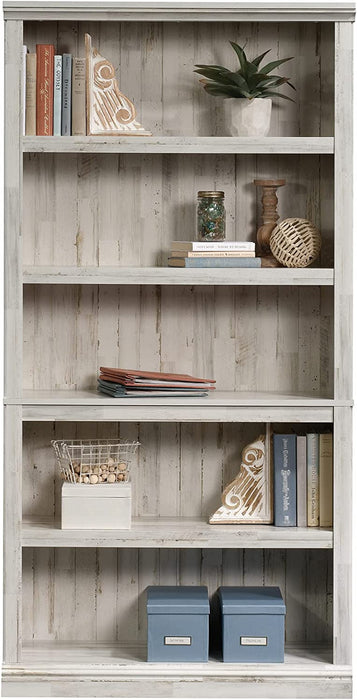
{"x":177,"y":623}
{"x":253,"y":622}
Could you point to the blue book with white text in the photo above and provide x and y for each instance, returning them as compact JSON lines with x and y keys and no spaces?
{"x":284,"y":480}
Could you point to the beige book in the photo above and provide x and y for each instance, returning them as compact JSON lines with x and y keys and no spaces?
{"x":212,"y":254}
{"x":30,"y":111}
{"x":326,"y":481}
{"x":79,"y":97}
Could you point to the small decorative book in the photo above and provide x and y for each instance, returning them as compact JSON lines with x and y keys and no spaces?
{"x":249,"y":497}
{"x":109,"y":111}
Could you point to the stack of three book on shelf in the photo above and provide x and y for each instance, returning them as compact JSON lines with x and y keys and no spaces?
{"x":213,"y":254}
{"x":303,"y":480}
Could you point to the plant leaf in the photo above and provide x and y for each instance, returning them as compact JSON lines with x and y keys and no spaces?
{"x":269,"y":93}
{"x":241,"y":56}
{"x":274,"y":64}
{"x":259,"y":58}
{"x":221,"y":76}
{"x":213,"y":67}
{"x":225,"y":90}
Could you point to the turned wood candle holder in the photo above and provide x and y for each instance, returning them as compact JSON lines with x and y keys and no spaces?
{"x":269,"y":217}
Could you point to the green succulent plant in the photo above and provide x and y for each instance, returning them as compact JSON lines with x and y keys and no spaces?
{"x":249,"y":81}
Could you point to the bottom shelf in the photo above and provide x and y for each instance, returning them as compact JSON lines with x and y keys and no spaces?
{"x":109,"y":670}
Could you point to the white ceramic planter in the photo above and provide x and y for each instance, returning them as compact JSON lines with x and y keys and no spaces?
{"x":250,"y":117}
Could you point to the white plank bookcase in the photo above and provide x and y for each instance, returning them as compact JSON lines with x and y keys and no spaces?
{"x":88,"y":227}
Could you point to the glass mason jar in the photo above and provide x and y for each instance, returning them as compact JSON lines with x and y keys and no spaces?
{"x":211,"y":216}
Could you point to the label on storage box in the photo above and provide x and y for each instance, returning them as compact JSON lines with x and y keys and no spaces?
{"x":254,"y":641}
{"x":178,"y":641}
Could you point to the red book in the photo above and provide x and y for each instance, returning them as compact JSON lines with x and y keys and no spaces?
{"x":44,"y":89}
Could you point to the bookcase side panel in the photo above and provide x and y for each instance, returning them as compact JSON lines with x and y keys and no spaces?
{"x":13,"y":208}
{"x":12,"y":481}
{"x":342,"y":528}
{"x":343,"y":210}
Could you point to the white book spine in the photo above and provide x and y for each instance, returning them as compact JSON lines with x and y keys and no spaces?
{"x":313,"y":498}
{"x":301,"y":481}
{"x":213,"y":245}
{"x":57,"y":96}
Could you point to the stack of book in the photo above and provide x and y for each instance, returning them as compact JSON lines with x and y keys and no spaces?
{"x":303,"y":482}
{"x":122,"y":383}
{"x":213,"y":254}
{"x":55,"y":103}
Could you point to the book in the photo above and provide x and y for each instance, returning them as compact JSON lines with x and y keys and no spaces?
{"x":213,"y":253}
{"x":132,"y":377}
{"x":24,"y":73}
{"x":44,"y":89}
{"x":196,"y":246}
{"x":326,"y":479}
{"x":79,"y":97}
{"x":119,"y":392}
{"x":57,"y":96}
{"x":66,"y":94}
{"x":215,"y":262}
{"x":312,"y":459}
{"x":30,"y":112}
{"x":301,"y":492}
{"x":284,"y":480}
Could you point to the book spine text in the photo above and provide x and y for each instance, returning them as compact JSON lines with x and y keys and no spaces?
{"x":285,"y":480}
{"x":79,"y":97}
{"x":57,"y":96}
{"x":66,"y":94}
{"x":44,"y":89}
{"x":312,"y":452}
{"x":326,"y":480}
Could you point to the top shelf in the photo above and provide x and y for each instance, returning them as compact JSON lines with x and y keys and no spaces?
{"x":182,"y":10}
{"x":178,"y":144}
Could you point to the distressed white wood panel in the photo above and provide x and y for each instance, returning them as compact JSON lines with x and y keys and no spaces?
{"x":172,"y":11}
{"x":179,"y":144}
{"x":343,"y":211}
{"x":342,"y":519}
{"x":13,"y":38}
{"x":258,"y":687}
{"x":123,"y":608}
{"x":171,"y":101}
{"x":126,"y":210}
{"x":12,"y":580}
{"x":187,"y":330}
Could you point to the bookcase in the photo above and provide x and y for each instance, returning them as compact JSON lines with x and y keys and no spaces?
{"x":88,"y":226}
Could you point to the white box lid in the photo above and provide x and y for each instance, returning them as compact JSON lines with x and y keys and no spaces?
{"x":119,"y":490}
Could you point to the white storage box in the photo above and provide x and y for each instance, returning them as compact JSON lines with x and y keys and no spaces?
{"x":96,"y":506}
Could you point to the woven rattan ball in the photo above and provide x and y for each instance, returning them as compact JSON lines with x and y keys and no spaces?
{"x":295,"y":242}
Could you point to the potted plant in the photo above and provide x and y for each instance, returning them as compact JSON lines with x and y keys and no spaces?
{"x":251,"y":86}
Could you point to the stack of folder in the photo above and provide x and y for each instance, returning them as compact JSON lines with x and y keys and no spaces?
{"x":122,"y":383}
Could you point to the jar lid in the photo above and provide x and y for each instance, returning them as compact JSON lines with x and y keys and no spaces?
{"x":209,"y":193}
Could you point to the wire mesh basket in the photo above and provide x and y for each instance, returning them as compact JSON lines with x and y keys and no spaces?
{"x":94,"y":461}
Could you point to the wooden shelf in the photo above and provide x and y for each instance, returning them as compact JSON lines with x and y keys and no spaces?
{"x":218,"y":407}
{"x":177,"y":276}
{"x":131,"y":658}
{"x":173,"y":533}
{"x":170,"y":10}
{"x":319,"y":145}
{"x":113,"y":670}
